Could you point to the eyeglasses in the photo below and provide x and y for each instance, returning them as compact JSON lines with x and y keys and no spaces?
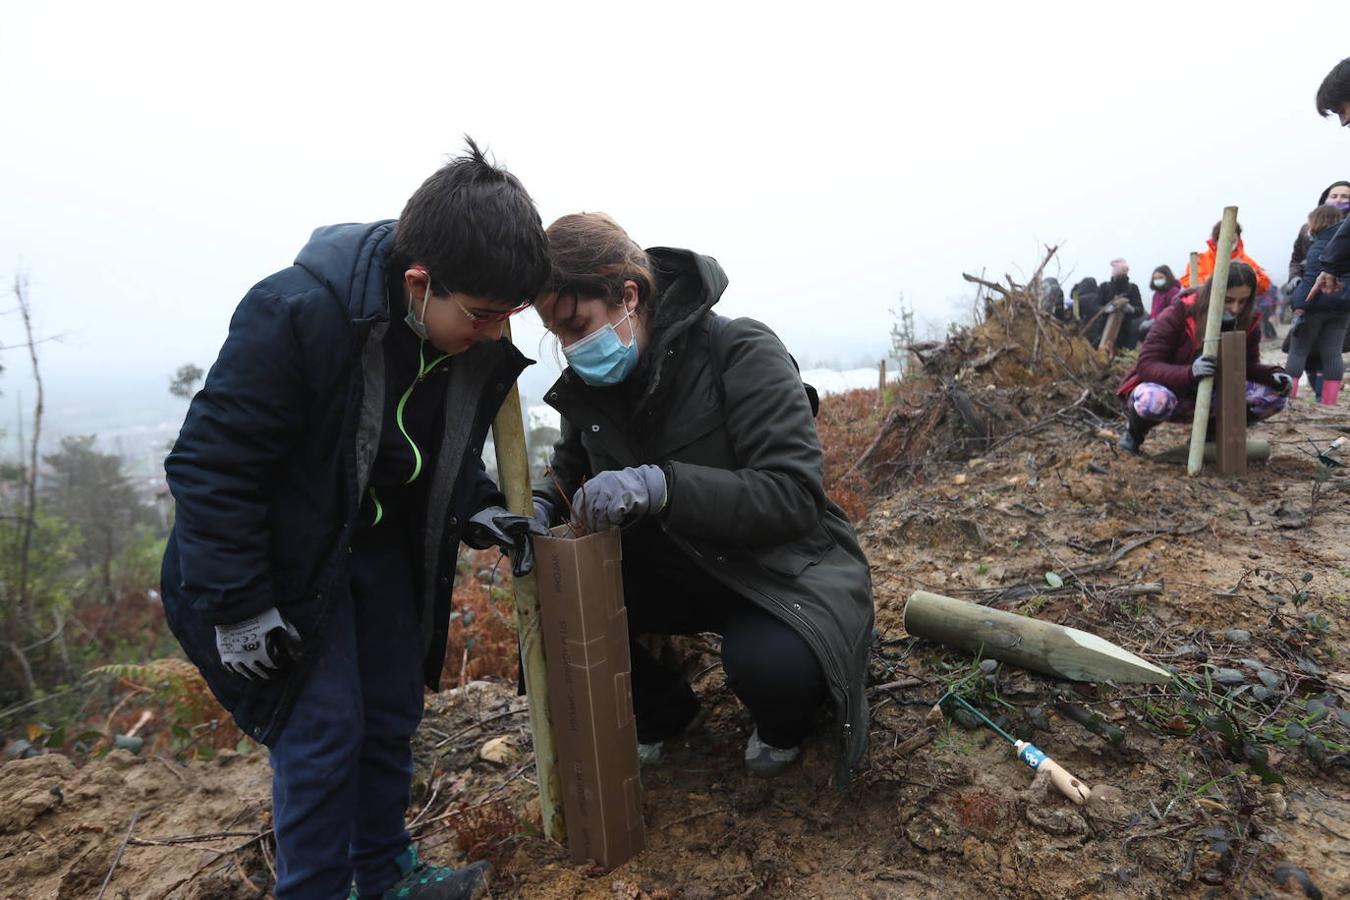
{"x":479,"y":320}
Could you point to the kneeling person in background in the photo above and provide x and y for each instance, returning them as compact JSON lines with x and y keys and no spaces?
{"x":1161,"y":386}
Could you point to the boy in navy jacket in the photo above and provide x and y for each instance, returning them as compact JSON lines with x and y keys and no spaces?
{"x":323,"y":480}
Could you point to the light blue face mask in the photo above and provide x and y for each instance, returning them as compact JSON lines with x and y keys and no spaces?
{"x":601,"y":358}
{"x":419,"y":326}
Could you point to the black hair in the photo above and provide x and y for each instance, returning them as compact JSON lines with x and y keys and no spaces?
{"x":1335,"y":89}
{"x":1321,"y":201}
{"x":1239,"y":275}
{"x":476,"y":230}
{"x":1214,"y":232}
{"x":1166,"y":270}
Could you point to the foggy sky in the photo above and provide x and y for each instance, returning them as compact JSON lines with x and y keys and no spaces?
{"x":161,"y":158}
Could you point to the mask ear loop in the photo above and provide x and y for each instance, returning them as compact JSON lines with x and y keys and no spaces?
{"x":426,"y":296}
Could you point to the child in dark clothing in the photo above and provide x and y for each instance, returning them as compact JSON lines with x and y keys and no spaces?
{"x":324,"y":477}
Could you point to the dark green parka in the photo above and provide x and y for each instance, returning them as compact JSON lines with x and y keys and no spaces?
{"x":719,"y":405}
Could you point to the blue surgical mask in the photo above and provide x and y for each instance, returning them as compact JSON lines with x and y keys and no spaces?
{"x":419,"y":325}
{"x":601,"y":358}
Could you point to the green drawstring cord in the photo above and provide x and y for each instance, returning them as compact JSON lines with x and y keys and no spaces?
{"x":423,"y":370}
{"x":379,"y":507}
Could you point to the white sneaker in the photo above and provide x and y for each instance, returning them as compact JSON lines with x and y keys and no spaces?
{"x":654,"y":753}
{"x":763,"y":761}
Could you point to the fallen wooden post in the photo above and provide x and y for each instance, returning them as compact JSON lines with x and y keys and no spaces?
{"x":1023,"y":641}
{"x":1257,"y":451}
{"x":1230,"y":419}
{"x":1204,"y":391}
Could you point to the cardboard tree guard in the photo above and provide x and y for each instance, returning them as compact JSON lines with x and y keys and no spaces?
{"x":585,"y":627}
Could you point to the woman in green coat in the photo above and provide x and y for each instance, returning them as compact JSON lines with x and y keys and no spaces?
{"x":696,"y":435}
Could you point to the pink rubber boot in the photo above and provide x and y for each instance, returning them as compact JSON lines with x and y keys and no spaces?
{"x":1293,"y":390}
{"x":1330,"y":390}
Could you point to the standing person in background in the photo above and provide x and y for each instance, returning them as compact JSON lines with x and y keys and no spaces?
{"x":1336,"y":194}
{"x":1162,"y":384}
{"x":1269,"y":305}
{"x":1319,"y":321}
{"x":1333,"y":98}
{"x":1165,"y":290}
{"x":1239,"y":255}
{"x":1120,"y":291}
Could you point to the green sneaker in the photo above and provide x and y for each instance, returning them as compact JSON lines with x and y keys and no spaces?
{"x":422,"y":881}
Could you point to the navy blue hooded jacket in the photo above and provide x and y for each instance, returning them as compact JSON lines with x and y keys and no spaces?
{"x":1336,"y":255}
{"x":1312,"y":267}
{"x":275,"y":454}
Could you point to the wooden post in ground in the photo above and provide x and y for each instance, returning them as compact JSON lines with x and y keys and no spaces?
{"x":513,"y":475}
{"x":1195,"y":269}
{"x":881,"y":383}
{"x":1111,"y":332}
{"x":1230,"y":419}
{"x":1204,"y":391}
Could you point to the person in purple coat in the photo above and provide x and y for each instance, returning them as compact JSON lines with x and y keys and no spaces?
{"x":1165,"y":290}
{"x":1161,"y":386}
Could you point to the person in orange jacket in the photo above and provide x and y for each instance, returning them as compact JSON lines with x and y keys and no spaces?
{"x":1206,"y":262}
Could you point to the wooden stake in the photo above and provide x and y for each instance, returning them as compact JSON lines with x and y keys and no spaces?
{"x":1111,"y":332}
{"x":1230,"y":420}
{"x":1024,"y":641}
{"x":1195,"y":269}
{"x":881,"y":383}
{"x":513,"y":474}
{"x":1204,"y":392}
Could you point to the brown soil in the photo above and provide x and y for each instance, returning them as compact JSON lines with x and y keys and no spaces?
{"x":938,"y":809}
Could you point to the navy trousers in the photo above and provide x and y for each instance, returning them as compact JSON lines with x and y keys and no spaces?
{"x":342,"y":767}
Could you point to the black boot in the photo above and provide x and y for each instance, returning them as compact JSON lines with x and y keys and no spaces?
{"x":1136,"y":429}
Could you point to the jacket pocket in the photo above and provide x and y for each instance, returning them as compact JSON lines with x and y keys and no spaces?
{"x":795,"y":558}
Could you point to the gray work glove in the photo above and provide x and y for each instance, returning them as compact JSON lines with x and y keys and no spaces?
{"x":620,"y":496}
{"x":258,"y":646}
{"x":543,"y":512}
{"x":494,"y":526}
{"x":1204,"y":367}
{"x":1284,"y":382}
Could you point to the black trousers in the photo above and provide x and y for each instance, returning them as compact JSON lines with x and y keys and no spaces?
{"x":767,"y":664}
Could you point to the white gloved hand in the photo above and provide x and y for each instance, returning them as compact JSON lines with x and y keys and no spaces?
{"x":243,"y":645}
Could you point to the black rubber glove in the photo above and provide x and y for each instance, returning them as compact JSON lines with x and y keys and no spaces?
{"x":1204,"y":367}
{"x":494,"y":526}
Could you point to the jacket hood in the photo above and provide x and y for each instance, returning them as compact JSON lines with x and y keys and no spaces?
{"x":688,"y":286}
{"x":349,"y":260}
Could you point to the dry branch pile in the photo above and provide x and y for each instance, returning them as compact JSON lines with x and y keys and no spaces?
{"x":1015,"y":372}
